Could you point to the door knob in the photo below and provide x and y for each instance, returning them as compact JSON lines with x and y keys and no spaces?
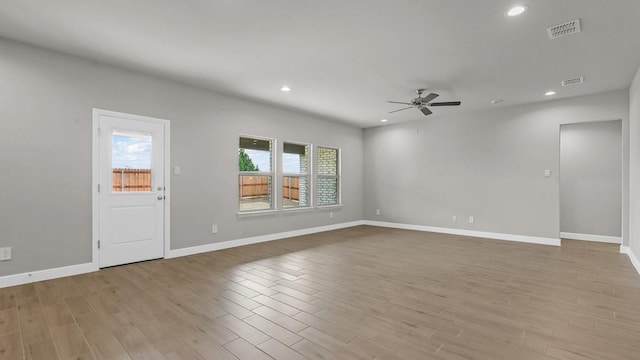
{"x":160,"y":197}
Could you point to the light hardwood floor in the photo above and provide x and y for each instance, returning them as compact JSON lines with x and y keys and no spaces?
{"x":357,"y":293}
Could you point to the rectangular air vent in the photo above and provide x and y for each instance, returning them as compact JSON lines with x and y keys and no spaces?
{"x":565,"y":29}
{"x":574,"y":81}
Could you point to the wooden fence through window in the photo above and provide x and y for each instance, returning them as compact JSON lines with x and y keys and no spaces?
{"x":254,"y":186}
{"x":249,"y":186}
{"x":125,"y":180}
{"x":291,"y":188}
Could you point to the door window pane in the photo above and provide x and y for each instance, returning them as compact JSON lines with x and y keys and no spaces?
{"x":131,"y":162}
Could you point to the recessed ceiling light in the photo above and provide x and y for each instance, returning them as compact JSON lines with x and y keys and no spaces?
{"x":517,"y":10}
{"x":549,"y":93}
{"x":496,"y":101}
{"x":285,"y":88}
{"x":384,"y":120}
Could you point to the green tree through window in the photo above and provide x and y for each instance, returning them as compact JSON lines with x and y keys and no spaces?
{"x":245,"y":163}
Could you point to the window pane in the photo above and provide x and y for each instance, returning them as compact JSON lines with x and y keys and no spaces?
{"x":295,"y":192}
{"x":255,"y":155}
{"x":327,"y":161}
{"x":255,"y":192}
{"x":327,"y":191}
{"x":295,"y":189}
{"x":130,"y":162}
{"x":295,"y":159}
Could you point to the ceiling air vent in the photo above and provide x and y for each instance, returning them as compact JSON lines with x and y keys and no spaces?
{"x":574,"y":81}
{"x":565,"y":29}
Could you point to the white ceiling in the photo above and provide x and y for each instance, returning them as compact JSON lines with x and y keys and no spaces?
{"x":344,"y":58}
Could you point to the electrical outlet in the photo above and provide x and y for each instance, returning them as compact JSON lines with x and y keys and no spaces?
{"x":454,"y":218}
{"x":214,"y":229}
{"x":331,"y":215}
{"x":472,"y":219}
{"x":5,"y":253}
{"x":378,"y":212}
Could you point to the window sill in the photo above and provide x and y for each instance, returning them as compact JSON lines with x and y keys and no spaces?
{"x":257,"y":213}
{"x":329,"y":207}
{"x":297,"y":210}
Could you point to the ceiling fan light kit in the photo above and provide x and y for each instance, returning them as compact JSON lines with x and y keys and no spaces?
{"x":422,"y":103}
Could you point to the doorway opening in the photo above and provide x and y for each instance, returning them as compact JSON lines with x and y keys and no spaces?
{"x":591,"y":170}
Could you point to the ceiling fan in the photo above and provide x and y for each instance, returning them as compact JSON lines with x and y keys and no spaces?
{"x":421,"y":103}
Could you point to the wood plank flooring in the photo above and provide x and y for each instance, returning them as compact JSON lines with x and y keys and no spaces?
{"x":357,"y":293}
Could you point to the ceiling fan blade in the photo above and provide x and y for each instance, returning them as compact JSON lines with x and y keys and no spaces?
{"x":446,"y":103}
{"x":426,"y":111}
{"x":409,"y":107}
{"x":429,"y":97}
{"x":398,"y":102}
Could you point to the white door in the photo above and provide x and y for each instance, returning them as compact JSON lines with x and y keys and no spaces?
{"x":131,"y":190}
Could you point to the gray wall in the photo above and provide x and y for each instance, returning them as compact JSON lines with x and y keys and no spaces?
{"x":591,"y":178}
{"x":634,"y":215}
{"x":45,"y":153}
{"x":488,"y":164}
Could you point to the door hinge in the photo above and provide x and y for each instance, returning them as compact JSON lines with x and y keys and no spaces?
{"x":99,"y":131}
{"x":98,"y":187}
{"x":98,"y":244}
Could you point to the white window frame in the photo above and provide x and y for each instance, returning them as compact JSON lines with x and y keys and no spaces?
{"x":272,"y":174}
{"x":308,"y":174}
{"x":338,"y":177}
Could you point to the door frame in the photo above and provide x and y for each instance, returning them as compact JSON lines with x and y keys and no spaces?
{"x":95,"y":197}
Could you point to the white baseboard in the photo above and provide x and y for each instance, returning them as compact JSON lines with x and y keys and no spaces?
{"x":590,"y":237}
{"x":481,"y":234}
{"x":257,"y":239}
{"x":625,"y":250}
{"x":634,"y":260}
{"x":48,"y":274}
